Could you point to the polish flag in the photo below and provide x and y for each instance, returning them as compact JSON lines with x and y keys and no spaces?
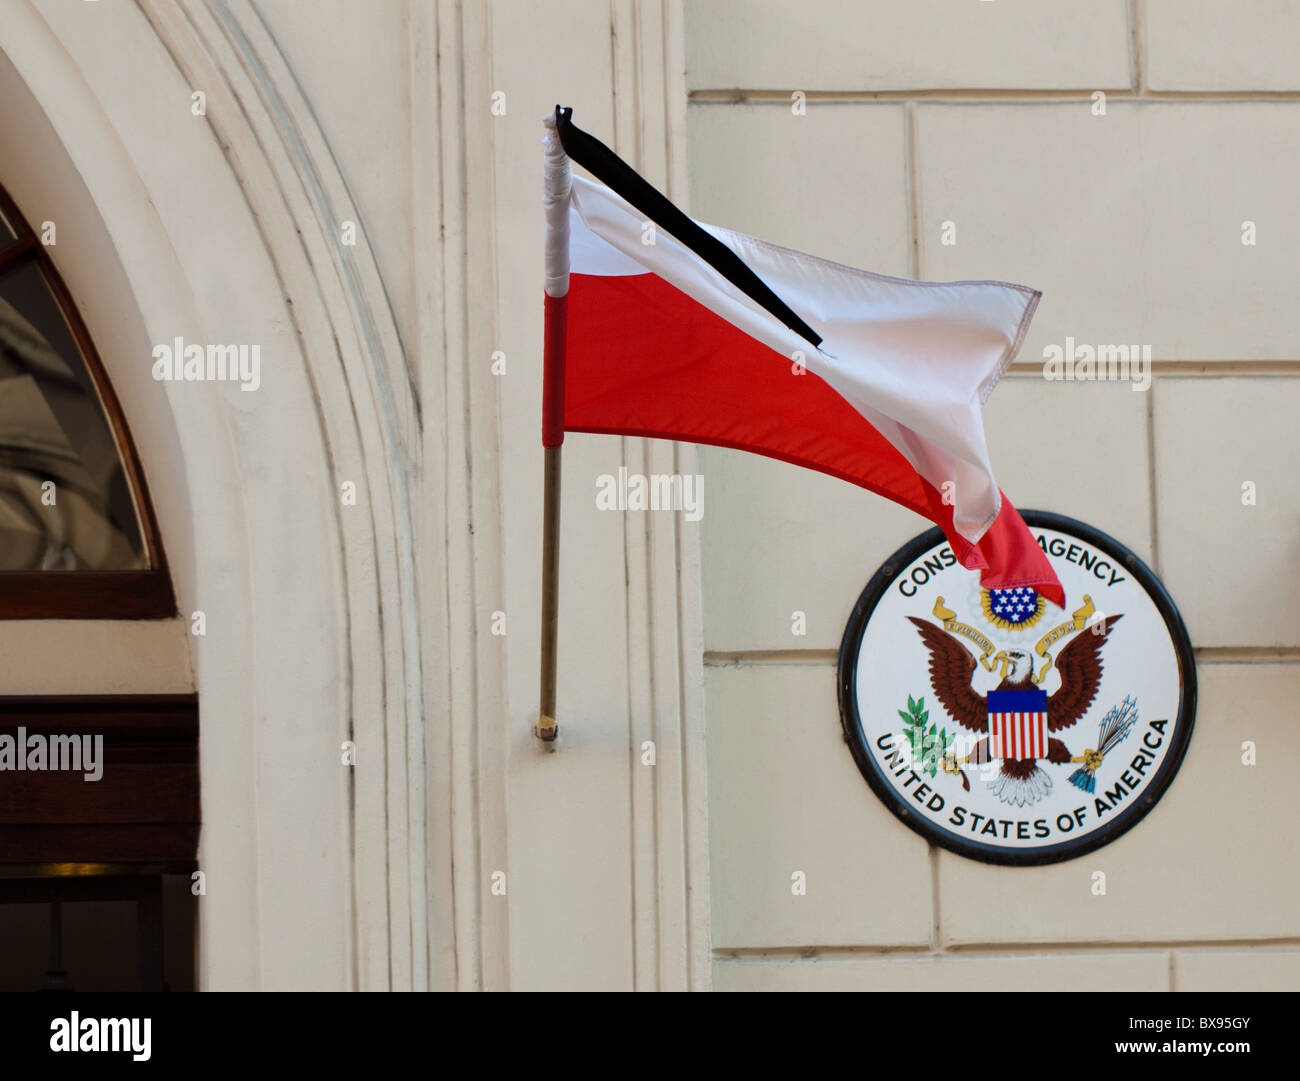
{"x":660,"y":326}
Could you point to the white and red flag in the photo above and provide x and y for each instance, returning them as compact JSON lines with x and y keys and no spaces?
{"x":661,"y":326}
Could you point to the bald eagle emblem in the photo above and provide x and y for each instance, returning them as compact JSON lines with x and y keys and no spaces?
{"x":1018,"y":723}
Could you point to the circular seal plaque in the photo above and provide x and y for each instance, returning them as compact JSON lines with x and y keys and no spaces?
{"x":1005,"y":728}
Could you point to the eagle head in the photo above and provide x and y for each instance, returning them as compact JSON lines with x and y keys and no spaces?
{"x":1019,"y":670}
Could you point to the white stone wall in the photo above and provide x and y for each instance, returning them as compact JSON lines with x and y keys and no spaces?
{"x":982,"y":114}
{"x":604,"y":859}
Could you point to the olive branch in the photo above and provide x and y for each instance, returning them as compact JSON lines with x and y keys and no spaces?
{"x":929,"y":746}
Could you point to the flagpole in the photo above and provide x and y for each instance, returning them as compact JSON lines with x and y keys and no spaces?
{"x":552,"y":439}
{"x":555,"y":199}
{"x":547,"y":729}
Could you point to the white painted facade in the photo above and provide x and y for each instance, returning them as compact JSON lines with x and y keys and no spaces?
{"x":419,"y":121}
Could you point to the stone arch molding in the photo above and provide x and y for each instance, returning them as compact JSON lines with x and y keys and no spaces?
{"x":226,"y":229}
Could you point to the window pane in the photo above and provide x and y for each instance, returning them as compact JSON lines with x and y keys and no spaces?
{"x":65,"y":502}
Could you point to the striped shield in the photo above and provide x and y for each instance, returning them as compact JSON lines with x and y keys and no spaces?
{"x":1017,"y":724}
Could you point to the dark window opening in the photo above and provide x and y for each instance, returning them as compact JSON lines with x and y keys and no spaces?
{"x":78,"y":539}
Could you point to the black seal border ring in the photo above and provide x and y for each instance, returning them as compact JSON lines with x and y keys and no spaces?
{"x":1066,"y":850}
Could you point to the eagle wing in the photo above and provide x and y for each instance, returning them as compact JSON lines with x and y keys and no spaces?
{"x":951,"y":668}
{"x":1080,"y":666}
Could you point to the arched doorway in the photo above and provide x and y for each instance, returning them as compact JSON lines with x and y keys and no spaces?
{"x":223,"y":227}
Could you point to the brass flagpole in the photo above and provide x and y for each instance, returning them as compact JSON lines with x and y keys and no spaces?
{"x":546,"y":727}
{"x":555,"y":200}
